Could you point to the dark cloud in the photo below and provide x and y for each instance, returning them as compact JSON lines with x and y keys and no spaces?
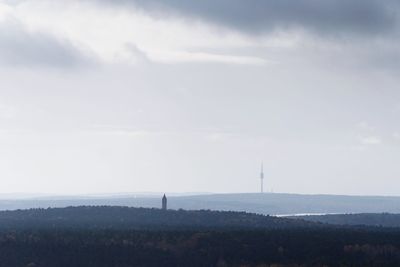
{"x":19,"y":47}
{"x":364,"y":17}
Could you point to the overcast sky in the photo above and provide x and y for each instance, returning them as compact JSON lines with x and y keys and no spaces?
{"x":102,"y":96}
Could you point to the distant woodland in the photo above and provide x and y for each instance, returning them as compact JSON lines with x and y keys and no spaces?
{"x":107,"y":217}
{"x":370,"y":219}
{"x":118,"y":236}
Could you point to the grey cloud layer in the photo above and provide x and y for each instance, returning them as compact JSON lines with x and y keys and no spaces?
{"x":19,"y":47}
{"x":362,"y":17}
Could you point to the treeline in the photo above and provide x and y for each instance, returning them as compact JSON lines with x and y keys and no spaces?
{"x":123,"y":248}
{"x":106,"y":217}
{"x":368,"y":219}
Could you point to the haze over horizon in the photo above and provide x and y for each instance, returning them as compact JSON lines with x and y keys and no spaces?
{"x":191,"y":96}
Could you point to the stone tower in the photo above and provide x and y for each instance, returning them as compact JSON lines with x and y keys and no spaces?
{"x":164,"y":202}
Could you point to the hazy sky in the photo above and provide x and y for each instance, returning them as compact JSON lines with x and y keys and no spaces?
{"x":183,"y":96}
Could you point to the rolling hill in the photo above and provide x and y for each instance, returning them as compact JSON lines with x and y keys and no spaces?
{"x":367,"y":219}
{"x":116,"y":217}
{"x":268,"y":203}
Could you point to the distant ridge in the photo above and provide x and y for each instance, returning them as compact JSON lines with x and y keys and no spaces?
{"x":266,"y":203}
{"x":113,"y":217}
{"x":359,"y":219}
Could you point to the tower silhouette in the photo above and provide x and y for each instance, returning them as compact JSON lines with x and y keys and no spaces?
{"x":164,"y":202}
{"x":262,"y":178}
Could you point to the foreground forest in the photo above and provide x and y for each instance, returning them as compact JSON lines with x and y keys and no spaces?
{"x":119,"y":236}
{"x":290,"y":247}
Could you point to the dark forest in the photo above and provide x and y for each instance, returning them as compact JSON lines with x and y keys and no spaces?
{"x":119,"y":236}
